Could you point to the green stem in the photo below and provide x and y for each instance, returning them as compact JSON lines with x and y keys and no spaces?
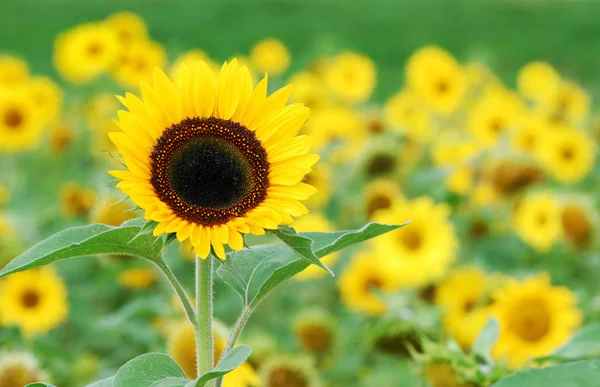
{"x":236,"y":332}
{"x":181,"y":294}
{"x":204,"y":309}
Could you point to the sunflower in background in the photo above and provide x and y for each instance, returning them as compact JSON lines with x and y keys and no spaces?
{"x":535,"y":318}
{"x":112,"y":211}
{"x":493,"y":117}
{"x":13,"y":71}
{"x":380,"y":195}
{"x":137,"y":63}
{"x":315,"y":221}
{"x":34,"y":300}
{"x":75,"y":200}
{"x":19,"y":369}
{"x":426,"y":247}
{"x":568,"y":154}
{"x":173,"y":139}
{"x":309,"y":90}
{"x":190,"y":58}
{"x":351,"y":76}
{"x":319,"y":178}
{"x":530,"y":133}
{"x":137,"y":278}
{"x":437,"y":79}
{"x":20,"y":125}
{"x":182,"y":348}
{"x":579,"y":220}
{"x":47,"y":97}
{"x":570,"y":105}
{"x":270,"y":56}
{"x":409,"y":116}
{"x":128,"y":26}
{"x":536,"y":220}
{"x":538,"y":82}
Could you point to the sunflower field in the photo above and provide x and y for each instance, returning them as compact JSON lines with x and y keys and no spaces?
{"x":299,"y":193}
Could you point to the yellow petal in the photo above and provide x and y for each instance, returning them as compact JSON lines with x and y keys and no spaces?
{"x":205,"y":90}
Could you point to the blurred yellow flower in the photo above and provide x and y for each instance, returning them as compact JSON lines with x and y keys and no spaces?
{"x":529,"y":133}
{"x":441,"y":374}
{"x":315,"y":221}
{"x":137,"y":63}
{"x":365,"y":276}
{"x":568,"y":154}
{"x":182,"y":348}
{"x":408,"y":115}
{"x":190,"y":58}
{"x":578,"y":219}
{"x":437,"y":78}
{"x":538,"y":81}
{"x":308,"y":89}
{"x":493,"y":117}
{"x":426,"y":247}
{"x":334,"y":125}
{"x":535,"y":318}
{"x":379,"y":195}
{"x":76,"y":200}
{"x":570,"y":105}
{"x":536,"y":220}
{"x":460,"y":180}
{"x":35,"y":300}
{"x":47,"y":97}
{"x":270,"y":56}
{"x":484,"y":194}
{"x":13,"y":71}
{"x":61,"y":137}
{"x":128,"y":26}
{"x":320,"y":178}
{"x":20,"y":369}
{"x":112,"y":212}
{"x":448,"y":150}
{"x":137,"y":278}
{"x":20,"y":125}
{"x":85,"y":52}
{"x":351,"y":76}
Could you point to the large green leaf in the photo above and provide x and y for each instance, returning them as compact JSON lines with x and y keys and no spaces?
{"x":171,"y":382}
{"x":301,"y":245}
{"x":89,"y":240}
{"x":487,"y":338}
{"x":576,"y":374}
{"x":585,"y":343}
{"x":256,"y":271}
{"x":147,"y":369}
{"x":232,"y":360}
{"x":108,"y":382}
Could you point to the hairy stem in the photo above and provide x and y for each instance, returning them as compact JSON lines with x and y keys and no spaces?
{"x":181,"y":294}
{"x":204,"y":310}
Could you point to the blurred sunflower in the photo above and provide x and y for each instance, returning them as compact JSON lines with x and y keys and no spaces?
{"x":20,"y":125}
{"x":537,"y":220}
{"x":309,"y":89}
{"x":137,"y":63}
{"x":182,"y":348}
{"x":190,"y":58}
{"x":407,"y":114}
{"x":34,"y":300}
{"x":320,"y":178}
{"x":423,"y":249}
{"x":315,"y":330}
{"x":315,"y":221}
{"x":288,"y":371}
{"x":578,"y":218}
{"x":19,"y":369}
{"x":112,"y":212}
{"x":493,"y":117}
{"x":568,"y":155}
{"x":539,"y":82}
{"x":13,"y":71}
{"x":529,"y":134}
{"x":441,"y":374}
{"x":535,"y":318}
{"x":351,"y":76}
{"x":460,"y":179}
{"x":450,"y":150}
{"x":137,"y":278}
{"x":270,"y":56}
{"x":173,"y":139}
{"x":128,"y":26}
{"x":367,"y":275}
{"x":570,"y":105}
{"x":379,"y":195}
{"x":46,"y":96}
{"x":100,"y":115}
{"x":437,"y":79}
{"x":85,"y":52}
{"x":483,"y":194}
{"x":76,"y":200}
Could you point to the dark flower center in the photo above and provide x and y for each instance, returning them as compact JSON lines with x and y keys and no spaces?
{"x":209,"y":170}
{"x":30,"y":299}
{"x":13,"y":119}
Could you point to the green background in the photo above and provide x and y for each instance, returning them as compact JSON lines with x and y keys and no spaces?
{"x":504,"y":34}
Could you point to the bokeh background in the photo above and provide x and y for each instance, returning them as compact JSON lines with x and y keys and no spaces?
{"x":499,"y":230}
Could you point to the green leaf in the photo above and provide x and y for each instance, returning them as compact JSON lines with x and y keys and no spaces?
{"x":487,"y":339}
{"x":301,"y":245}
{"x":88,"y":240}
{"x":108,"y":382}
{"x":254,"y":272}
{"x":585,"y":343}
{"x":575,"y":374}
{"x":232,"y":360}
{"x":147,"y":369}
{"x":39,"y":384}
{"x":171,"y":382}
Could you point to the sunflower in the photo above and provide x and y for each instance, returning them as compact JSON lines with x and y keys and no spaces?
{"x":270,"y":56}
{"x":20,"y":125}
{"x":290,"y":371}
{"x":13,"y":71}
{"x":351,"y":76}
{"x":578,"y":218}
{"x":309,"y":89}
{"x":425,"y":248}
{"x":315,"y":221}
{"x":315,"y":330}
{"x":460,"y":179}
{"x":19,"y":369}
{"x":137,"y":278}
{"x":379,"y":195}
{"x":539,"y":82}
{"x":34,"y":300}
{"x":320,"y":178}
{"x":76,"y":200}
{"x":493,"y":117}
{"x":483,"y":194}
{"x":128,"y":26}
{"x":437,"y":79}
{"x":568,"y":155}
{"x":112,"y":212}
{"x":450,"y":150}
{"x":211,"y":159}
{"x":570,"y":105}
{"x":137,"y":63}
{"x":47,"y":97}
{"x":182,"y":348}
{"x":85,"y":52}
{"x":535,"y":318}
{"x":441,"y":374}
{"x":529,"y":133}
{"x":537,"y":220}
{"x":409,"y":116}
{"x":364,"y":278}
